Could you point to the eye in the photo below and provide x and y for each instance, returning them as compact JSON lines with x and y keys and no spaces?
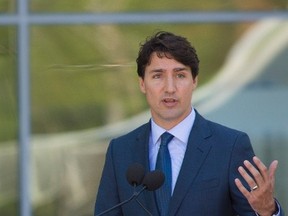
{"x":180,"y":75}
{"x":156,"y":76}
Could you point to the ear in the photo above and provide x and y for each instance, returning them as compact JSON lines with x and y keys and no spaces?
{"x":142,"y":85}
{"x":195,"y":82}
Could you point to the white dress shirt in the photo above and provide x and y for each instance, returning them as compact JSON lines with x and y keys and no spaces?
{"x":177,"y":145}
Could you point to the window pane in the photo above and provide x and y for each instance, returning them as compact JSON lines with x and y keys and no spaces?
{"x":149,"y":5}
{"x":77,"y":70}
{"x":7,"y":6}
{"x":8,"y":123}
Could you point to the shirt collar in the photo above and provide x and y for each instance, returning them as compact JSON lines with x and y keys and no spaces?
{"x":181,"y":131}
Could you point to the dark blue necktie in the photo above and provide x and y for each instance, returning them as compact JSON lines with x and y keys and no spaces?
{"x":163,"y":194}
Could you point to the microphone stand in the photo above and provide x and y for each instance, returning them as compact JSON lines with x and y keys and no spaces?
{"x":143,"y":207}
{"x":151,"y":182}
{"x":134,"y":195}
{"x":146,"y":210}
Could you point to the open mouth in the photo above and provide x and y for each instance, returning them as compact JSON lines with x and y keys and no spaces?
{"x":169,"y":101}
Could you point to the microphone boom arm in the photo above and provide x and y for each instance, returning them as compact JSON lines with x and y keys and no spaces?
{"x":134,"y":196}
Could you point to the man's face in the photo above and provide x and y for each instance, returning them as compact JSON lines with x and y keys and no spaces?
{"x":168,"y":86}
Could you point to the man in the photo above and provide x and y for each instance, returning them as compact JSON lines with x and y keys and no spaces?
{"x":210,"y":169}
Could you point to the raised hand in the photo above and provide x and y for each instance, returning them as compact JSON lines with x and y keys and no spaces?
{"x":261,"y":183}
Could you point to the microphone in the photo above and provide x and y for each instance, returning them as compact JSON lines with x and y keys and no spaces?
{"x":153,"y":180}
{"x":135,"y":176}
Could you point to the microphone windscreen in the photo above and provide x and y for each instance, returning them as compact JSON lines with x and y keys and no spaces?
{"x":153,"y":180}
{"x":135,"y":174}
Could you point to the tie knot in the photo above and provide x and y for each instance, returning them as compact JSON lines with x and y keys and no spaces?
{"x":166,"y":138}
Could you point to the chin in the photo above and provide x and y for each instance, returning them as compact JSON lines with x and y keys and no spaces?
{"x":172,"y":117}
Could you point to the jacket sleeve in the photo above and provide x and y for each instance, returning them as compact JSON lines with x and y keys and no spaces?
{"x":242,"y":150}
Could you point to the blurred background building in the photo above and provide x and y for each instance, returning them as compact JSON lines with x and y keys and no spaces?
{"x":68,"y":84}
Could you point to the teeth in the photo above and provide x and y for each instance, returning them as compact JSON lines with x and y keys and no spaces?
{"x":169,"y":100}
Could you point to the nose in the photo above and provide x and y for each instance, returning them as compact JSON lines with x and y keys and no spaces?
{"x":170,"y":85}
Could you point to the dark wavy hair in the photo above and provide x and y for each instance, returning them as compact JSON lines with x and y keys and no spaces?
{"x":171,"y":46}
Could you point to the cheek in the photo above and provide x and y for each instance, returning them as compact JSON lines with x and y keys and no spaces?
{"x":152,"y":95}
{"x":151,"y":88}
{"x":187,"y":92}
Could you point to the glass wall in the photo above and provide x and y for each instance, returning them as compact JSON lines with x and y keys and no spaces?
{"x":7,"y":6}
{"x":84,"y":80}
{"x":84,"y":91}
{"x":8,"y":122}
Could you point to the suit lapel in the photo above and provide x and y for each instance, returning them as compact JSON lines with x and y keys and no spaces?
{"x":197,"y":150}
{"x":140,"y":149}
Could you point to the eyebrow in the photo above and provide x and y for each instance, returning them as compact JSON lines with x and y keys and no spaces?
{"x":177,"y":69}
{"x":180,"y":69}
{"x":157,"y":70}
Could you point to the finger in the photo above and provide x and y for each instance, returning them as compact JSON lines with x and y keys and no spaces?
{"x":272,"y":170}
{"x":258,"y":178}
{"x":261,"y":167}
{"x":250,"y":181}
{"x":242,"y":189}
{"x":273,"y":167}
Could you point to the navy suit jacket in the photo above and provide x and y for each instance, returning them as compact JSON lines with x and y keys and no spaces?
{"x":205,"y":185}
